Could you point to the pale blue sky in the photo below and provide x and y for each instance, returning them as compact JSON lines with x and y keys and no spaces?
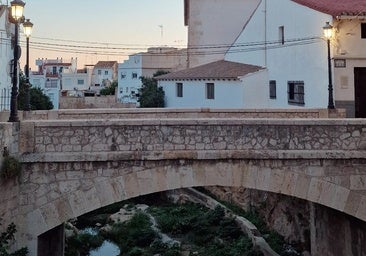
{"x":130,"y":22}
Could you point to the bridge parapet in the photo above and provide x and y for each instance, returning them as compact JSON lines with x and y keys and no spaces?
{"x":192,"y":138}
{"x":163,"y":113}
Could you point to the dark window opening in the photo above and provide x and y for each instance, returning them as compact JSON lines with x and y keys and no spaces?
{"x":363,"y":30}
{"x":210,"y":91}
{"x":272,"y":89}
{"x":179,"y":90}
{"x":296,"y":92}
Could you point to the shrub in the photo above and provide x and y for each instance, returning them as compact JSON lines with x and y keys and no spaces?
{"x":10,"y":168}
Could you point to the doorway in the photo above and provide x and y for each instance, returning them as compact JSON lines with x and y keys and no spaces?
{"x":360,"y":92}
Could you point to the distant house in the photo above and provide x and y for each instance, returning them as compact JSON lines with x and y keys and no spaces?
{"x":146,"y":64}
{"x":220,"y":84}
{"x":6,"y":55}
{"x":49,"y":76}
{"x":104,"y":73}
{"x":286,"y":38}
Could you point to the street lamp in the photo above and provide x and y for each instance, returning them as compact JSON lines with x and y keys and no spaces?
{"x":27,"y":27}
{"x":17,"y":7}
{"x":328,"y":33}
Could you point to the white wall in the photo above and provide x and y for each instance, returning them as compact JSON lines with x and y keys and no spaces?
{"x":215,"y":22}
{"x":127,"y":83}
{"x":228,"y":94}
{"x":71,"y":81}
{"x":348,"y":45}
{"x":306,"y":63}
{"x":6,"y":55}
{"x":256,"y":90}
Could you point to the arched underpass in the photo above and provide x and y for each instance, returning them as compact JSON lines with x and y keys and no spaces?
{"x":63,"y":191}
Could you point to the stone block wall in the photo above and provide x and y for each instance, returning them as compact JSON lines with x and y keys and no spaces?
{"x":163,"y":113}
{"x":311,"y":137}
{"x":91,"y":102}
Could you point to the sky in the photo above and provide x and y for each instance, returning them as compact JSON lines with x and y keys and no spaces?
{"x":88,"y":28}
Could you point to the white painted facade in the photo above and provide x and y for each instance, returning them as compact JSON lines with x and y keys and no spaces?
{"x":6,"y":55}
{"x":76,"y":83}
{"x":146,"y":64}
{"x":49,"y":76}
{"x":213,"y":26}
{"x":227,"y":93}
{"x":294,"y":60}
{"x":103,"y":75}
{"x":349,"y":48}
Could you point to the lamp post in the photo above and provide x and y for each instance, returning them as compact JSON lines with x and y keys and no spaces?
{"x":328,"y":33}
{"x":27,"y":27}
{"x":17,"y":7}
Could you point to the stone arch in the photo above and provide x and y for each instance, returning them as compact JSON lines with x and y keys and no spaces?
{"x":74,"y":189}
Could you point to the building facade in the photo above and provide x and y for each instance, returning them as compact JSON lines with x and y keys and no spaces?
{"x":104,"y":73}
{"x":219,"y":84}
{"x":49,"y":76}
{"x":6,"y":55}
{"x":286,"y":37}
{"x":146,"y":64}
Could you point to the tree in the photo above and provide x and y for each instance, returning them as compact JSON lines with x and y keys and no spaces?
{"x":38,"y":100}
{"x":150,"y":95}
{"x":6,"y":238}
{"x":110,"y":90}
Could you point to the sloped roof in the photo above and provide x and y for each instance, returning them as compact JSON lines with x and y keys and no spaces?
{"x":336,"y":7}
{"x":105,"y":64}
{"x":221,"y":69}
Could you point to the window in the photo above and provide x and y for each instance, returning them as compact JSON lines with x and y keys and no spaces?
{"x":296,"y":92}
{"x":80,"y":81}
{"x":54,"y":70}
{"x":281,"y":34}
{"x":272,"y":89}
{"x":106,"y":72}
{"x":123,"y":75}
{"x":210,"y":91}
{"x":99,"y":72}
{"x":363,"y":30}
{"x":179,"y":87}
{"x":134,"y":75}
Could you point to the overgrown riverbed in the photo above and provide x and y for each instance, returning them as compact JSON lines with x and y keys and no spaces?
{"x":160,"y":229}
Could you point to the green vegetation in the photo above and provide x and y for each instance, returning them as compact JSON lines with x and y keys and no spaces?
{"x":150,"y":95}
{"x":200,"y":231}
{"x":207,"y":232}
{"x":274,"y":240}
{"x":38,"y":100}
{"x":110,"y":90}
{"x":10,"y":167}
{"x":82,"y":244}
{"x":6,"y":238}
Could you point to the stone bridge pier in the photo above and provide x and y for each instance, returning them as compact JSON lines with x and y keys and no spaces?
{"x":71,"y":167}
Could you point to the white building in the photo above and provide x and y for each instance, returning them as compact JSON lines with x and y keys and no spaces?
{"x":75,"y":83}
{"x":49,"y":76}
{"x":146,"y":64}
{"x":6,"y":55}
{"x":213,"y":26}
{"x":219,"y":84}
{"x":285,"y":37}
{"x":104,"y":73}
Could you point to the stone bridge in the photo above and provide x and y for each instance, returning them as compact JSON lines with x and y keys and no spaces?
{"x":71,"y":167}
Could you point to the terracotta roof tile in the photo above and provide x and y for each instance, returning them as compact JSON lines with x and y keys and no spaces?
{"x":215,"y":70}
{"x":105,"y":64}
{"x":336,"y":7}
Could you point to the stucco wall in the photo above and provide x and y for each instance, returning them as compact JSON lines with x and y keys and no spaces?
{"x":296,"y":60}
{"x":215,"y":23}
